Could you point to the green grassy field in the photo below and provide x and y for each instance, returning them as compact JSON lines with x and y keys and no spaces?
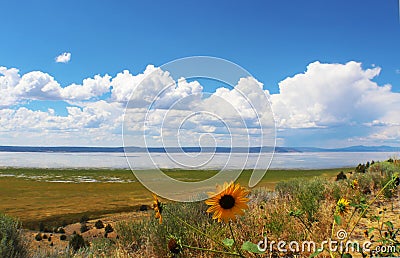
{"x":58,"y":196}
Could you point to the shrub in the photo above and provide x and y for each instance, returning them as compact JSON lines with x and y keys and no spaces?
{"x":38,"y":237}
{"x":288,"y":188}
{"x":305,"y":195}
{"x":309,"y":197}
{"x":336,"y":191}
{"x":388,"y":169}
{"x":41,"y":226}
{"x":84,"y":219}
{"x":361,"y":168}
{"x":109,"y":228}
{"x":341,"y":176}
{"x":63,"y":237}
{"x":389,"y":190}
{"x":47,"y":230}
{"x":99,"y":224}
{"x":84,"y":228}
{"x":77,"y":242}
{"x":275,"y":223}
{"x":60,"y":230}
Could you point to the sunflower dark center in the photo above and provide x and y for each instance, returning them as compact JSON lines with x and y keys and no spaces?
{"x":227,"y":201}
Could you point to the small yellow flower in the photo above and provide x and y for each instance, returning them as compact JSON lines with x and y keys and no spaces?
{"x":229,"y":201}
{"x":354,"y":184}
{"x":342,"y":206}
{"x":157,"y":207}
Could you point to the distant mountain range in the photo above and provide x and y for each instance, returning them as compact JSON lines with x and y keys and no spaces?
{"x":359,"y":148}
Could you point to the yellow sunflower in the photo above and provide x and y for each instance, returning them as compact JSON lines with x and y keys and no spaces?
{"x":342,"y":206}
{"x":157,"y":207}
{"x":229,"y":201}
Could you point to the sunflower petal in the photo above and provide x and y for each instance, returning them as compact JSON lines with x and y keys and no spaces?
{"x":237,"y":192}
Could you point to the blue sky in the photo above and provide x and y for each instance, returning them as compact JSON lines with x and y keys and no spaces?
{"x":273,"y":40}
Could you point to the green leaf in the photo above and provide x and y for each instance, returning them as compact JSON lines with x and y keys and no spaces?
{"x":389,"y":224}
{"x":370,"y":230}
{"x":338,"y":219}
{"x":296,"y":213}
{"x":347,"y":255}
{"x":228,"y":242}
{"x":317,"y":252}
{"x":251,"y":247}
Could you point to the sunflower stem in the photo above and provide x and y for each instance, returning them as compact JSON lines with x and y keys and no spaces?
{"x":351,"y":217}
{"x":234,"y":240}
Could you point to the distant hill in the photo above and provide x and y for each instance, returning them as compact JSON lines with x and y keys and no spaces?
{"x":359,"y":148}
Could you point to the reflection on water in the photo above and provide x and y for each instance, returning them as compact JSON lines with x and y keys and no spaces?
{"x":118,"y":160}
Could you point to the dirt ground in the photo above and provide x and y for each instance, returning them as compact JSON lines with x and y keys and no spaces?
{"x":51,"y":241}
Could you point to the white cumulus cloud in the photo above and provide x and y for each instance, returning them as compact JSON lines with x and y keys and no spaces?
{"x":332,"y":94}
{"x":325,"y":97}
{"x":63,"y":58}
{"x":37,"y":85}
{"x":339,"y":97}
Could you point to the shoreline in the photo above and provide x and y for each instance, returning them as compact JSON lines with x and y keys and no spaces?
{"x":282,"y":161}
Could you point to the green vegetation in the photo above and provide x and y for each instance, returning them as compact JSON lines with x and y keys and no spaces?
{"x":108,"y":228}
{"x":84,"y":228}
{"x":30,"y":196}
{"x":313,"y":209}
{"x":84,"y":219}
{"x":290,"y":205}
{"x":38,"y":237}
{"x":99,"y":224}
{"x":11,"y":242}
{"x":77,"y":242}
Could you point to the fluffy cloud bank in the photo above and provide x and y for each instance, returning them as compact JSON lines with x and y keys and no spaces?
{"x":325,"y":96}
{"x":36,"y":85}
{"x":339,"y":95}
{"x":332,"y":94}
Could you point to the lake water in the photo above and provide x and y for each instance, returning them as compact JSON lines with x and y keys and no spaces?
{"x":310,"y":160}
